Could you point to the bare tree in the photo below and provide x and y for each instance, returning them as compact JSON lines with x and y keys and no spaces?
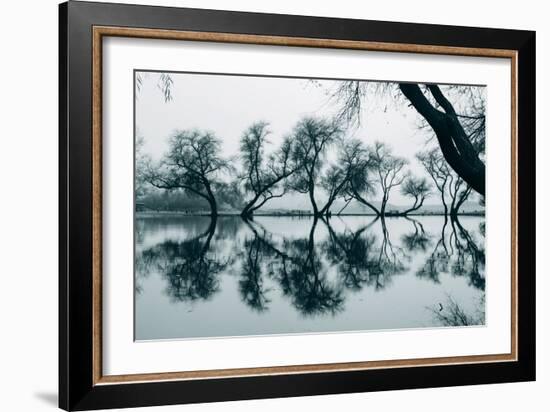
{"x":417,"y":188}
{"x":192,"y":163}
{"x":437,"y":168}
{"x":389,"y":169}
{"x":372,"y":168}
{"x":311,"y":138}
{"x":459,"y":191}
{"x":263,"y":174}
{"x":356,"y":158}
{"x":447,"y":183}
{"x":336,"y":180}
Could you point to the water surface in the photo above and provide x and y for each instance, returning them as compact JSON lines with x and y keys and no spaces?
{"x":197,"y":277}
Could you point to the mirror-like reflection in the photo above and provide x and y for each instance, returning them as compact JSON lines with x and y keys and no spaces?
{"x":228,"y":276}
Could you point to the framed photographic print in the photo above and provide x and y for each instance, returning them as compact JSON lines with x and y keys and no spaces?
{"x":256,"y":205}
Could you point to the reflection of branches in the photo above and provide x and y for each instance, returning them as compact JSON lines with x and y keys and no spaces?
{"x":358,"y":260}
{"x":297,"y":267}
{"x":190,"y":267}
{"x":251,"y":284}
{"x":457,"y":253}
{"x":351,"y":252}
{"x":438,"y":261}
{"x":470,"y":259}
{"x":390,"y":256}
{"x":417,"y":240}
{"x":451,"y":314}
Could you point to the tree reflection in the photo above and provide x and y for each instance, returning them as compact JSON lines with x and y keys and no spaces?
{"x":457,"y":253}
{"x":390,"y":259}
{"x":301,"y":267}
{"x":470,"y":258}
{"x":451,"y":313}
{"x":251,"y":283}
{"x":298,"y":268}
{"x":190,"y":266}
{"x":351,"y":252}
{"x":314,"y":272}
{"x":418,"y":240}
{"x":358,"y":259}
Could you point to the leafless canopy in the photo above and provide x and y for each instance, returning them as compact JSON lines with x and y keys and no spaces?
{"x":192,"y":163}
{"x":311,"y":137}
{"x":263,"y":175}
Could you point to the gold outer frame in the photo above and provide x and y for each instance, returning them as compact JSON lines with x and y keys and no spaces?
{"x":101,"y":31}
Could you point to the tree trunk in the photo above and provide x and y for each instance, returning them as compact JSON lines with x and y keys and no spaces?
{"x":213,"y":206}
{"x":211,"y":199}
{"x":455,"y":145}
{"x":414,"y":207}
{"x":247,"y":212}
{"x":383,"y":205}
{"x":362,"y":200}
{"x":312,"y":200}
{"x":445,"y":209}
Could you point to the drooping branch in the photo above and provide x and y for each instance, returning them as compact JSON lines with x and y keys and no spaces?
{"x":461,"y":136}
{"x":457,"y":149}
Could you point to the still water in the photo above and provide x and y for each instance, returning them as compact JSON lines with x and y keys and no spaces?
{"x":197,"y":277}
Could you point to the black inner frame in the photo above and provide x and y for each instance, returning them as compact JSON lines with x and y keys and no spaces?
{"x":76,"y":388}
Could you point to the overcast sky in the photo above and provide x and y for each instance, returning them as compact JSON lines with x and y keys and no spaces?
{"x":227,"y":105}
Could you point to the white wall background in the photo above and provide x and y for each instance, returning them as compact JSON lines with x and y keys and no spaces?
{"x":28,"y":204}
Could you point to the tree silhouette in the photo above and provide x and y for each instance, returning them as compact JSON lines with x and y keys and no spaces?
{"x":355,"y":157}
{"x":447,"y":183}
{"x":418,"y":189}
{"x":456,"y":253}
{"x":417,"y":240}
{"x":190,"y":267}
{"x":251,"y":283}
{"x":311,"y":137}
{"x":436,"y":166}
{"x":353,"y":253}
{"x":389,"y":170}
{"x":193,"y":164}
{"x":334,"y":182}
{"x":300,"y":272}
{"x":371,"y":168}
{"x":263,"y":174}
{"x":459,"y":192}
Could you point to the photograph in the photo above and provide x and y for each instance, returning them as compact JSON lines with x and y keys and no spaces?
{"x":291,"y":204}
{"x":270,"y":205}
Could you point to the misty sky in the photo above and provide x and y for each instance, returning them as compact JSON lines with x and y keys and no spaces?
{"x":227,"y":105}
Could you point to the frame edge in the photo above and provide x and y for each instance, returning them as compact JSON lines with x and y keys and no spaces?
{"x":109,"y":396}
{"x":63,"y":375}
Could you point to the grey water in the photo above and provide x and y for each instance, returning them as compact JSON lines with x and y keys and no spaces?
{"x":197,"y":277}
